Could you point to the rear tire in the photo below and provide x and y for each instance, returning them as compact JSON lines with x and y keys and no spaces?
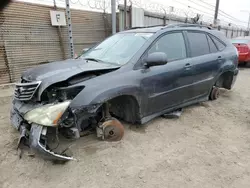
{"x":215,"y":93}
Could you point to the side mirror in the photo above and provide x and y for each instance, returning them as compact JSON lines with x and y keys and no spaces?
{"x":156,"y":59}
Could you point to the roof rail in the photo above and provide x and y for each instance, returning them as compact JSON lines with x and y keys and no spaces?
{"x":174,"y":25}
{"x":147,"y":26}
{"x":187,"y":25}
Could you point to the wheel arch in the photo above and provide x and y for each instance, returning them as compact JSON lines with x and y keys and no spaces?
{"x":225,"y":80}
{"x":126,"y":107}
{"x":125,"y":102}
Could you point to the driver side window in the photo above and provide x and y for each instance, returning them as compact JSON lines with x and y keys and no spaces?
{"x":172,"y":44}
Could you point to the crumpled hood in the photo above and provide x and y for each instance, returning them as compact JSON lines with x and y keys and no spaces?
{"x":63,"y":70}
{"x":55,"y":72}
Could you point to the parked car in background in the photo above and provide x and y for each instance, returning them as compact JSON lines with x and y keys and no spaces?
{"x":243,"y":46}
{"x":134,"y":76}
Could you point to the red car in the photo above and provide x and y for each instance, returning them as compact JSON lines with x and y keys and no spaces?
{"x":243,"y":46}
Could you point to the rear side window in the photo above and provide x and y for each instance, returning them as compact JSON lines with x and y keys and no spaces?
{"x":212,"y":46}
{"x":198,"y":43}
{"x":218,"y":43}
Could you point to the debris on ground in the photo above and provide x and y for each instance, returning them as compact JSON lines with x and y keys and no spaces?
{"x":173,"y":115}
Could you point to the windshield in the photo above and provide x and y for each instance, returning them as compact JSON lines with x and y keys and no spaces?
{"x":118,"y":49}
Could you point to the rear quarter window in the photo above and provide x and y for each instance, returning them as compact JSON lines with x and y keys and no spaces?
{"x":220,"y":45}
{"x":212,"y":46}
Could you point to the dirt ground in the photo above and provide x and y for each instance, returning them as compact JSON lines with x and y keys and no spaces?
{"x":208,"y":147}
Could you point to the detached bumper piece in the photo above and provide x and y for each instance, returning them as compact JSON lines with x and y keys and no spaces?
{"x":174,"y":114}
{"x":33,"y":139}
{"x":36,"y":145}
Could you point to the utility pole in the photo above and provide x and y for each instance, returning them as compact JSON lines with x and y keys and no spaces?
{"x":125,"y":14}
{"x":59,"y":32}
{"x":216,"y":11}
{"x":71,"y":44}
{"x":113,"y":10}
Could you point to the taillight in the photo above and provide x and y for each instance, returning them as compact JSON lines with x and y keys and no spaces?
{"x":242,"y":48}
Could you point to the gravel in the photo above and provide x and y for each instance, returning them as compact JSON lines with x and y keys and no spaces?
{"x":208,"y":146}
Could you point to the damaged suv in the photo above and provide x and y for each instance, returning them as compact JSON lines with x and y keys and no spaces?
{"x":134,"y":76}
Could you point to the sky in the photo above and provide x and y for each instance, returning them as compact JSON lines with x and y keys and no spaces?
{"x":231,"y":11}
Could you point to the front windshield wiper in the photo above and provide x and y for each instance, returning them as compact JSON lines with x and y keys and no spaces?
{"x":93,"y":59}
{"x":101,"y":61}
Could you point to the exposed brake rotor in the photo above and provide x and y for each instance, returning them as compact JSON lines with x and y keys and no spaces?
{"x":214,"y":93}
{"x":113,"y":130}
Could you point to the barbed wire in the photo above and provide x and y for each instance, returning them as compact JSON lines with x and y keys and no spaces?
{"x":146,"y":5}
{"x":190,"y":12}
{"x":95,"y":4}
{"x":158,"y":8}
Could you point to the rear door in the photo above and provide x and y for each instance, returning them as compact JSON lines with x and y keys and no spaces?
{"x":205,"y":60}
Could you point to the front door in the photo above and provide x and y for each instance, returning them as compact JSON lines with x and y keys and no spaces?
{"x":168,"y":85}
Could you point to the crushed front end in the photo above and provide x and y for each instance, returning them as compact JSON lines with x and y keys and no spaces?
{"x":48,"y":105}
{"x":25,"y":114}
{"x":44,"y":112}
{"x":42,"y":119}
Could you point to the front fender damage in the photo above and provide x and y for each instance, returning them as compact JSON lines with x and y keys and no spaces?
{"x":39,"y":138}
{"x":76,"y":122}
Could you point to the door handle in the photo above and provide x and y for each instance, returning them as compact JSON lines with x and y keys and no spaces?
{"x":187,"y":66}
{"x":219,"y":58}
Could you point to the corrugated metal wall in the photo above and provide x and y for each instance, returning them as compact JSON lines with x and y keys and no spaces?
{"x":149,"y":20}
{"x":137,"y":19}
{"x":121,"y":20}
{"x":89,"y":28}
{"x":27,"y":37}
{"x":4,"y":76}
{"x":173,"y":21}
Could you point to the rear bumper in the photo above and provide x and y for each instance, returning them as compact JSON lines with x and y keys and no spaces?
{"x":244,"y":58}
{"x":236,"y":72}
{"x":32,"y":134}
